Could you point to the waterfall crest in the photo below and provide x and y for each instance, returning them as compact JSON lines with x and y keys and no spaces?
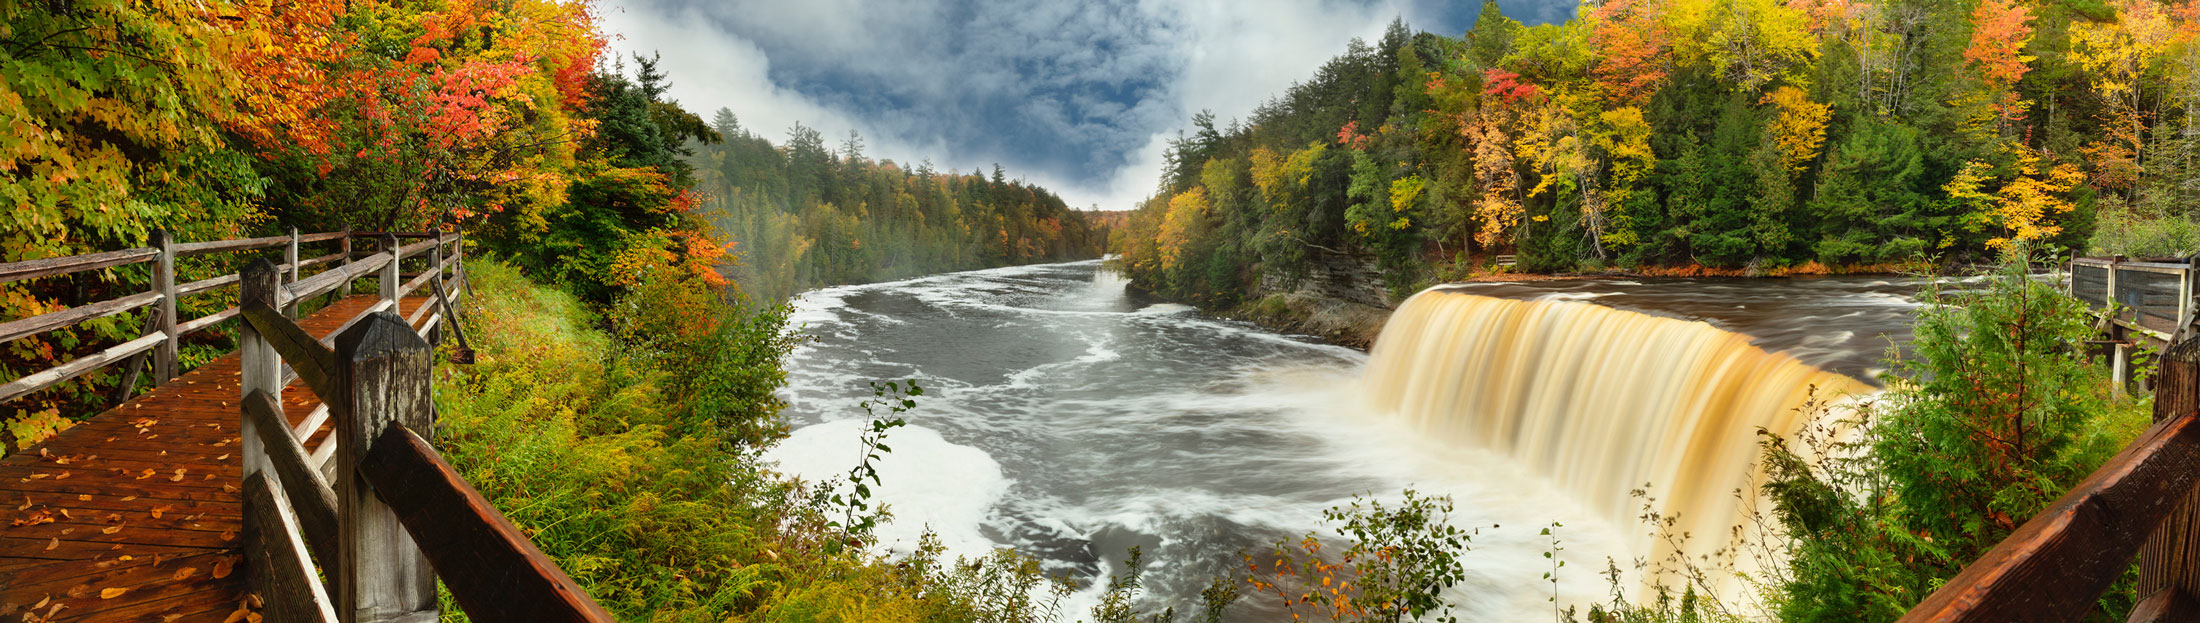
{"x":1601,"y":401}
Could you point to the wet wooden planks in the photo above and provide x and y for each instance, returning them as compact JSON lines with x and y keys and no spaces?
{"x":134,"y":514}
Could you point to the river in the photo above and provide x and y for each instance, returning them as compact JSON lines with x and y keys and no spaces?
{"x":1070,"y":420}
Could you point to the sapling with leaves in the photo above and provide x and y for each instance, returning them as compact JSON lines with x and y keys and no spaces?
{"x":1401,"y":561}
{"x":1116,"y":602}
{"x":1551,"y":554}
{"x":858,"y":518}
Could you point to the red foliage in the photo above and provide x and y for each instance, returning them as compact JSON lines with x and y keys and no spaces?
{"x":1507,"y":87}
{"x":1350,"y":136}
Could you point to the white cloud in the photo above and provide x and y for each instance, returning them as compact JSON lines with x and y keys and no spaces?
{"x":961,"y":83}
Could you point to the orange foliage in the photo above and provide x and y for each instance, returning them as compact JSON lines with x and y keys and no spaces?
{"x":1632,"y":40}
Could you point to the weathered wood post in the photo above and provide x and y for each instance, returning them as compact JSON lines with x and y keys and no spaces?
{"x":344,"y":289}
{"x":2169,"y":563}
{"x":290,"y":268}
{"x":275,"y":550}
{"x":381,"y":574}
{"x":390,"y":272}
{"x":258,"y":283}
{"x":164,"y":281}
{"x":435,"y":265}
{"x":458,"y":268}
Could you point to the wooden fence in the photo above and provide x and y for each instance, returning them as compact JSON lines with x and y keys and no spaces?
{"x":374,"y":510}
{"x":2152,"y":298}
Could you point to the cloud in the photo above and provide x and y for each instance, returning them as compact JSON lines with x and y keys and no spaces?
{"x":1077,"y":96}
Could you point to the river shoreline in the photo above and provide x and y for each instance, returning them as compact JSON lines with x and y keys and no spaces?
{"x":1339,"y":321}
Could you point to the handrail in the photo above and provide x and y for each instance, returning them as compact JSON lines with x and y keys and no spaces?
{"x":29,"y":269}
{"x":17,"y":329}
{"x":331,"y":278}
{"x":218,"y":246}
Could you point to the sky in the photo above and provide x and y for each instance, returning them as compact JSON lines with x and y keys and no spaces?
{"x":1078,"y":96}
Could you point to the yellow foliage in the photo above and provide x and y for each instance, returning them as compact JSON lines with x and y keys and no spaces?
{"x":1798,"y":126}
{"x":2025,"y":207}
{"x":1267,"y":169}
{"x":1404,"y":191}
{"x":1186,"y":218}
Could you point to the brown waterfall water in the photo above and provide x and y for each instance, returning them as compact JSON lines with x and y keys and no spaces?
{"x":1601,"y":401}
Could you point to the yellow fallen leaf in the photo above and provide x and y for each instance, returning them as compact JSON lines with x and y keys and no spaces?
{"x":111,"y":529}
{"x":54,"y":544}
{"x":186,"y":572}
{"x":111,"y":593}
{"x":222,"y":567}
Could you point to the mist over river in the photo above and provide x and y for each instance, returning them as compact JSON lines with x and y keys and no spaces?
{"x":1070,"y":420}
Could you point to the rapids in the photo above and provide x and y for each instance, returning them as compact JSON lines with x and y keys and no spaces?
{"x":1071,"y":420}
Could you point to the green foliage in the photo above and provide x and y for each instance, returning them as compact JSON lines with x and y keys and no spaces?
{"x":1401,"y":560}
{"x":1992,"y":417}
{"x":857,"y":517}
{"x":573,"y":436}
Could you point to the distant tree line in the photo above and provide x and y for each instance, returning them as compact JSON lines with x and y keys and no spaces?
{"x":803,"y":215}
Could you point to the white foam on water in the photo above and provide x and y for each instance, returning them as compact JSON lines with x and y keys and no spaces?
{"x":1164,"y":309}
{"x":926,"y":482}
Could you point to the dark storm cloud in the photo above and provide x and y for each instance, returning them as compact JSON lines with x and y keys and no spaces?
{"x":1077,"y":95}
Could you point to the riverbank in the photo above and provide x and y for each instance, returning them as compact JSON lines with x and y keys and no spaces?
{"x":1345,"y":312}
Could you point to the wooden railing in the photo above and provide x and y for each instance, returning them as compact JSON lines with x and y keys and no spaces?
{"x":162,"y":330}
{"x":2141,"y":504}
{"x":375,"y":504}
{"x":2154,"y":298}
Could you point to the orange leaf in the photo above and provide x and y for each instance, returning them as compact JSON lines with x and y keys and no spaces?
{"x":111,"y":593}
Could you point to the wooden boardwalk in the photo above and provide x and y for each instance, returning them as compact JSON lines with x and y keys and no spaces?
{"x":136,"y":514}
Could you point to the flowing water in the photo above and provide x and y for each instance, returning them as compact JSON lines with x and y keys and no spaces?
{"x":1071,"y":420}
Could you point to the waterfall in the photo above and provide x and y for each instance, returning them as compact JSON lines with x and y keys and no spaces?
{"x":1601,"y":401}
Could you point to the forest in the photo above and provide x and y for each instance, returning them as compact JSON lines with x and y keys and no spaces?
{"x":1698,"y":137}
{"x":811,"y":216}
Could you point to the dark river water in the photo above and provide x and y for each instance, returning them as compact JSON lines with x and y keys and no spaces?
{"x":1071,"y":421}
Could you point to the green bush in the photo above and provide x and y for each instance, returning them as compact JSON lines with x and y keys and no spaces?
{"x":1991,"y":417}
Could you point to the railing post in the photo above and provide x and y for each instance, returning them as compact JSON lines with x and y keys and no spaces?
{"x":435,"y":265}
{"x":343,"y":290}
{"x":259,"y":282}
{"x":380,"y":575}
{"x":290,"y":266}
{"x":458,"y":269}
{"x":390,"y":272}
{"x":2170,"y":559}
{"x":164,"y":282}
